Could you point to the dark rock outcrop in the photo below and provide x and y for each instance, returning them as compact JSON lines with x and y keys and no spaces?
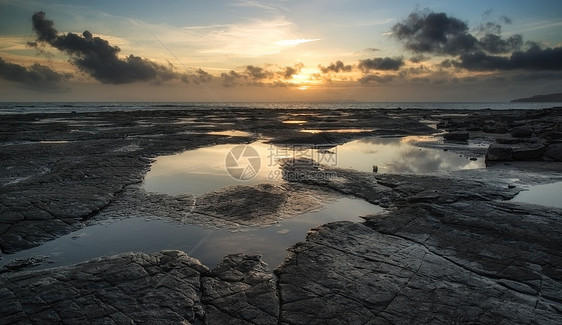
{"x":456,"y":136}
{"x":554,"y":151}
{"x":521,"y":132}
{"x":161,"y":288}
{"x":241,"y":289}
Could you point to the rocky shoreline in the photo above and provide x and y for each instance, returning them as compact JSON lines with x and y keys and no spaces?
{"x":450,"y":249}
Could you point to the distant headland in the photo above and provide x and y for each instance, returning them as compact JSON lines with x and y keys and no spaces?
{"x":540,"y":98}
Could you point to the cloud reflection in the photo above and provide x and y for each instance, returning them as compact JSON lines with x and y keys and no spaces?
{"x":202,"y":170}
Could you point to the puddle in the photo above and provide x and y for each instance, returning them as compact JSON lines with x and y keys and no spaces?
{"x":207,"y":245}
{"x":203,"y":170}
{"x":431,"y":123}
{"x":294,"y":122}
{"x":546,"y":194}
{"x":54,"y":141}
{"x":314,"y":131}
{"x":231,"y":133}
{"x":400,"y":155}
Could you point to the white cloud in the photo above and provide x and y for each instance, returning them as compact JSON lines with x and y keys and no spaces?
{"x":535,"y":25}
{"x":251,"y":38}
{"x":259,"y":5}
{"x":295,"y":42}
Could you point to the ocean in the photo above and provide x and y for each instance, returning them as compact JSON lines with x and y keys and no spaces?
{"x":68,"y":107}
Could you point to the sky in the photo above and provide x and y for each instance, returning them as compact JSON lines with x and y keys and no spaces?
{"x":279,"y":50}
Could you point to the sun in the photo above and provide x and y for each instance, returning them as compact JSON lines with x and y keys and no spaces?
{"x":305,"y":79}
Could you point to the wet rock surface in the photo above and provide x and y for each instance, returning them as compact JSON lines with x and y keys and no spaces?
{"x":129,"y":288}
{"x":450,"y":248}
{"x":60,"y":170}
{"x":471,"y":259}
{"x":241,"y":289}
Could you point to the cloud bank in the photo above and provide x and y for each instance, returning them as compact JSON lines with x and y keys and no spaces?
{"x":381,"y":64}
{"x":437,"y":33}
{"x":35,"y":76}
{"x":336,"y":67}
{"x":96,"y":57}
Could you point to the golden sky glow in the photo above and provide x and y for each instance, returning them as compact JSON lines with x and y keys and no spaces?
{"x":281,"y":51}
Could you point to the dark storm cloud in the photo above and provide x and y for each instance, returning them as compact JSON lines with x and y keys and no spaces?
{"x":44,"y":28}
{"x":419,"y":58}
{"x":494,"y":44}
{"x":257,"y":73}
{"x":232,"y":78}
{"x":431,"y":32}
{"x":252,"y":75}
{"x":376,"y":78}
{"x":37,"y":76}
{"x":421,"y":69}
{"x":381,"y":64}
{"x":288,"y":72}
{"x":532,"y":59}
{"x":437,"y":33}
{"x":202,"y":75}
{"x":198,"y":76}
{"x":336,"y":67}
{"x":97,"y":57}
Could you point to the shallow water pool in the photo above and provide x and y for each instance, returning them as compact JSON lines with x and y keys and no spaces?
{"x":202,"y":170}
{"x":545,"y":194}
{"x":209,"y":245}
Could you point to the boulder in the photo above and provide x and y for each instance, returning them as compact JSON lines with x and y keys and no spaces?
{"x":554,"y":151}
{"x":499,"y":152}
{"x":531,"y":152}
{"x":521,"y":132}
{"x":508,"y":140}
{"x":495,"y":128}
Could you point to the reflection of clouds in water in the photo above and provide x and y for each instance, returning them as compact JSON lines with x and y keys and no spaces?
{"x":398,"y":155}
{"x":202,"y":170}
{"x":416,"y":161}
{"x":380,"y":141}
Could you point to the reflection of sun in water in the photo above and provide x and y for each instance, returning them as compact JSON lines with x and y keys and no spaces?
{"x":303,"y":88}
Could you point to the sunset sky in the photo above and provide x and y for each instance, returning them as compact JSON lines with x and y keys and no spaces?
{"x":284,"y":50}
